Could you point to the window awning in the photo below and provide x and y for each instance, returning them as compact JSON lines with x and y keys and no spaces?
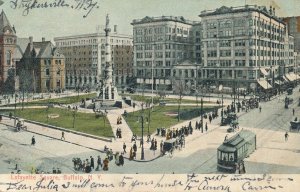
{"x":264,"y":84}
{"x":263,"y":71}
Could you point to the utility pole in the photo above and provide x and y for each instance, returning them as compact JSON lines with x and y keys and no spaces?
{"x":201,"y":115}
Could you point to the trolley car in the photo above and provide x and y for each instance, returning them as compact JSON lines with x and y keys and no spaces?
{"x":233,"y":150}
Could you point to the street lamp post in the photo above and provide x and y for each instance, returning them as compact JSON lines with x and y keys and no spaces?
{"x":222,"y":112}
{"x":74,"y":116}
{"x":142,"y":152}
{"x":15,"y":109}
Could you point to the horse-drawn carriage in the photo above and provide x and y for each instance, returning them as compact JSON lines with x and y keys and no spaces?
{"x":229,"y":118}
{"x":21,"y":125}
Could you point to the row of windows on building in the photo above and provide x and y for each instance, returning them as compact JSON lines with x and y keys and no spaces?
{"x":241,"y":22}
{"x":242,"y":63}
{"x":161,"y":30}
{"x":242,"y":53}
{"x":161,"y":55}
{"x":156,"y":63}
{"x":163,"y":38}
{"x":48,"y":61}
{"x":243,"y":32}
{"x":161,"y":46}
{"x":91,"y":41}
{"x":243,"y":42}
{"x":81,"y":72}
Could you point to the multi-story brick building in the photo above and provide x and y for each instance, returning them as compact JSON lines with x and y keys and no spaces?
{"x":244,"y":46}
{"x":159,"y":44}
{"x":43,"y":66}
{"x":85,"y":58}
{"x":8,"y":40}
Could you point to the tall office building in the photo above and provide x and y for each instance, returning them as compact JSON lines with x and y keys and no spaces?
{"x":85,"y":58}
{"x":159,"y":44}
{"x":244,"y":47}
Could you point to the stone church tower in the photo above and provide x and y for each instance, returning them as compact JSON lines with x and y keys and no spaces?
{"x":8,"y":42}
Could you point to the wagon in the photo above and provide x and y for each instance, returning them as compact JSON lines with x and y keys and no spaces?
{"x":295,"y":125}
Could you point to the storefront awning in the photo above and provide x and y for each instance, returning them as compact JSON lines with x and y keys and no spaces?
{"x":263,"y":71}
{"x":264,"y":84}
{"x":285,"y":79}
{"x":290,"y":76}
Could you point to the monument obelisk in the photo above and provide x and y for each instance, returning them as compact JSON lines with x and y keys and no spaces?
{"x":109,"y":91}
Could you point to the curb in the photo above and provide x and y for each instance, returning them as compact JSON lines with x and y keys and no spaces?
{"x":102,"y":151}
{"x":67,"y":130}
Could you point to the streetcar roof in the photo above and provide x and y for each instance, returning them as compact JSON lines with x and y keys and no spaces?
{"x":236,"y":141}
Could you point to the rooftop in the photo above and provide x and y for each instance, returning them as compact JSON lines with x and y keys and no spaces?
{"x":148,"y":19}
{"x":246,"y":8}
{"x":91,"y":35}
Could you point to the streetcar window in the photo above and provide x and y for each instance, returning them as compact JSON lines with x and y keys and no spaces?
{"x":224,"y":156}
{"x":231,"y":158}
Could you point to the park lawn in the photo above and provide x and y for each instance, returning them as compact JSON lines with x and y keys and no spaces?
{"x":62,"y":100}
{"x":158,"y":116}
{"x":148,"y":99}
{"x":84,"y":122}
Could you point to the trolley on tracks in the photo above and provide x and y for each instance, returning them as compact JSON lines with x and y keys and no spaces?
{"x":234,"y":150}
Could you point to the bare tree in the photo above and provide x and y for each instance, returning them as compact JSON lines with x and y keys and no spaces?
{"x":25,"y":84}
{"x":180,"y":88}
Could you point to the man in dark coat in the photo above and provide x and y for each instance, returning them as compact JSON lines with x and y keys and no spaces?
{"x":134,"y":147}
{"x":121,"y":159}
{"x":33,"y":141}
{"x":124,"y":148}
{"x":99,"y":163}
{"x":92,"y":162}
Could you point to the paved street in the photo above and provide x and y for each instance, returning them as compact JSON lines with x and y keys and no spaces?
{"x":199,"y":154}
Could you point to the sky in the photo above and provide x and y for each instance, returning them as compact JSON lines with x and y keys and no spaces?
{"x":63,"y":21}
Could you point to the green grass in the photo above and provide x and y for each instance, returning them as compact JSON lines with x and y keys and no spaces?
{"x":62,"y":100}
{"x":84,"y":122}
{"x":157,"y":99}
{"x":158,"y":116}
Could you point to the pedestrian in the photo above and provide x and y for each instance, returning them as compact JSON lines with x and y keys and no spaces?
{"x":121,"y":159}
{"x":33,"y":141}
{"x":259,"y":108}
{"x":124,"y":147}
{"x":99,"y":163}
{"x":293,"y":112}
{"x":62,"y":136}
{"x":10,"y":115}
{"x":286,"y":136}
{"x":206,"y":128}
{"x":226,"y":137}
{"x":105,"y":164}
{"x":141,"y":142}
{"x":92,"y":162}
{"x":134,"y":147}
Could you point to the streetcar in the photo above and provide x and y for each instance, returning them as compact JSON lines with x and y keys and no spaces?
{"x":234,"y":150}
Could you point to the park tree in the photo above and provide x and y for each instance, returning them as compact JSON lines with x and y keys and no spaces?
{"x":180,"y":88}
{"x":25,"y":79}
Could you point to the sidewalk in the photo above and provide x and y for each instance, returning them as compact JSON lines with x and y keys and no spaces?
{"x":117,"y":143}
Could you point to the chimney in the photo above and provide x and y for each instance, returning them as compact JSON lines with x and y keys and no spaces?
{"x":31,"y":43}
{"x":270,"y":10}
{"x":43,"y":39}
{"x":274,"y":11}
{"x":115,"y":29}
